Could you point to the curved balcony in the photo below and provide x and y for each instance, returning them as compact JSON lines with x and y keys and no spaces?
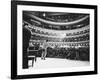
{"x":55,"y":23}
{"x":57,"y":33}
{"x":59,"y":39}
{"x":57,"y":27}
{"x":66,"y":44}
{"x":57,"y":36}
{"x":75,"y":31}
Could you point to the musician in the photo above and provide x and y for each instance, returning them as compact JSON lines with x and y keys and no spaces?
{"x":44,"y":50}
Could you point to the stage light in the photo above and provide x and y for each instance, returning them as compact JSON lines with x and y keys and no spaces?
{"x":44,"y":14}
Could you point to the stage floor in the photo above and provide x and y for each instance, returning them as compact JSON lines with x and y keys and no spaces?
{"x":58,"y":63}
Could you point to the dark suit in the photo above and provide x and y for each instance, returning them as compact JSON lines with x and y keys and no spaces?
{"x":26,"y":38}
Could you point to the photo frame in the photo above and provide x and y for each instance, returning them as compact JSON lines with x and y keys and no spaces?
{"x":60,"y":26}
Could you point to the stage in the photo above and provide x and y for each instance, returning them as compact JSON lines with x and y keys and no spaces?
{"x":57,"y":63}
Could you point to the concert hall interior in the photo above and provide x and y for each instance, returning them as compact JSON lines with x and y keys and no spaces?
{"x":61,"y":37}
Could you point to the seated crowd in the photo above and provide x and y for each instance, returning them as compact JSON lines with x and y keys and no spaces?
{"x":72,"y":53}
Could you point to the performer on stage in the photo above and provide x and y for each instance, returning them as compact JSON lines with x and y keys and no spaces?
{"x":44,"y":51}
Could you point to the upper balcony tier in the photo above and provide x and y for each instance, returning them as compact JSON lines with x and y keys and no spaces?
{"x":56,"y":21}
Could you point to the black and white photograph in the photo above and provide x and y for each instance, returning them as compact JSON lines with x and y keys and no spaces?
{"x":53,"y":39}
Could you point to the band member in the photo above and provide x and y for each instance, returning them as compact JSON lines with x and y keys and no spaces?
{"x":26,"y":38}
